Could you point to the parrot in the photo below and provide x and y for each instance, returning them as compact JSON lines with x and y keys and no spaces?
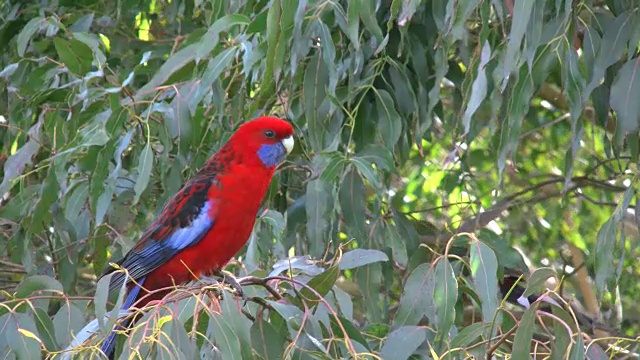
{"x":208,"y":220}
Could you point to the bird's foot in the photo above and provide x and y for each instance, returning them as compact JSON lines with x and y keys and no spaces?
{"x":213,"y":285}
{"x":229,"y":279}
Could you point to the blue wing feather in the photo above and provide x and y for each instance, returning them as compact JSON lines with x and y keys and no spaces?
{"x":110,"y":342}
{"x":185,"y":220}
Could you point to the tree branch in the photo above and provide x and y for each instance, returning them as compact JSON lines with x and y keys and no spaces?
{"x":508,"y":202}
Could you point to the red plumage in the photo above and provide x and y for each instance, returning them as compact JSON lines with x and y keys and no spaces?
{"x":211,"y":218}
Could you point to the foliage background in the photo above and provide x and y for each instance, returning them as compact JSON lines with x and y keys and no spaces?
{"x":440,"y":145}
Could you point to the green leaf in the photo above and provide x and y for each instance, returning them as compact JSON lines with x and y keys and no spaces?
{"x":512,"y":124}
{"x":27,"y":33}
{"x":275,"y":40}
{"x":215,"y":67}
{"x":361,"y":257}
{"x":314,"y":84}
{"x":562,"y":338}
{"x":101,"y":296}
{"x":379,"y":155}
{"x":403,"y":342}
{"x":606,"y":241}
{"x":478,"y":89}
{"x":524,"y":335}
{"x":174,"y":63}
{"x":93,"y":42}
{"x":409,"y":8}
{"x":398,"y":246}
{"x":390,"y":123}
{"x":67,"y":322}
{"x":16,"y":163}
{"x":224,"y":336}
{"x":623,"y":101}
{"x":21,"y":335}
{"x":211,"y":38}
{"x":334,"y":166}
{"x":366,"y":169}
{"x":74,"y":54}
{"x":353,"y":23}
{"x":352,"y":204}
{"x":614,"y":42}
{"x":46,"y":329}
{"x":445,"y":295}
{"x":484,"y":270}
{"x":521,"y":13}
{"x":266,"y":341}
{"x":402,"y":90}
{"x":461,"y":18}
{"x":328,"y":51}
{"x":76,"y":201}
{"x":46,"y":197}
{"x":368,"y":16}
{"x":417,"y":299}
{"x":535,"y":283}
{"x":36,"y":283}
{"x":318,"y":204}
{"x":369,"y":279}
{"x":577,"y":350}
{"x":322,"y":284}
{"x":145,"y":163}
{"x":351,"y":330}
{"x":469,"y":334}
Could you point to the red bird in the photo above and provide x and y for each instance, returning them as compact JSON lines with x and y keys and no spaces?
{"x":210,"y":219}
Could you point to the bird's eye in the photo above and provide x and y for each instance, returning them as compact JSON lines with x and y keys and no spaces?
{"x":269,"y":134}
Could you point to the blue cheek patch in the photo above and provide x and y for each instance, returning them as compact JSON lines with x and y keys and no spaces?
{"x":272,"y":154}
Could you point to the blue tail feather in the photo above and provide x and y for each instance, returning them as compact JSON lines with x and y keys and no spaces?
{"x":108,"y":346}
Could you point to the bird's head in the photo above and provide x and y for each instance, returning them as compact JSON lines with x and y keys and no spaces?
{"x":270,"y":138}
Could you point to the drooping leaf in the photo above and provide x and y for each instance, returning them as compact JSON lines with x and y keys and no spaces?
{"x":16,"y":163}
{"x":627,"y":108}
{"x":417,"y":300}
{"x":524,"y":335}
{"x":352,"y":203}
{"x":266,"y":341}
{"x":403,"y":342}
{"x":360,"y":257}
{"x":484,"y":269}
{"x":536,"y":281}
{"x":37,"y":283}
{"x":522,"y":11}
{"x":321,"y":285}
{"x":75,"y":55}
{"x":478,"y":89}
{"x":145,"y":164}
{"x":445,"y":295}
{"x":27,"y":33}
{"x":390,"y":122}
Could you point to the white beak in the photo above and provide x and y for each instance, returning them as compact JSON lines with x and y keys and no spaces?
{"x":288,"y":143}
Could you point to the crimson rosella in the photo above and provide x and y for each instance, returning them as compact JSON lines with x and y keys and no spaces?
{"x":209,"y":220}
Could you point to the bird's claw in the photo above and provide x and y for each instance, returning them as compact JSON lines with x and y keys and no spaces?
{"x":229,"y":279}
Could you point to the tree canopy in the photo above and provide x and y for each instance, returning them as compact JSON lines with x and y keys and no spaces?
{"x":441,"y":147}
